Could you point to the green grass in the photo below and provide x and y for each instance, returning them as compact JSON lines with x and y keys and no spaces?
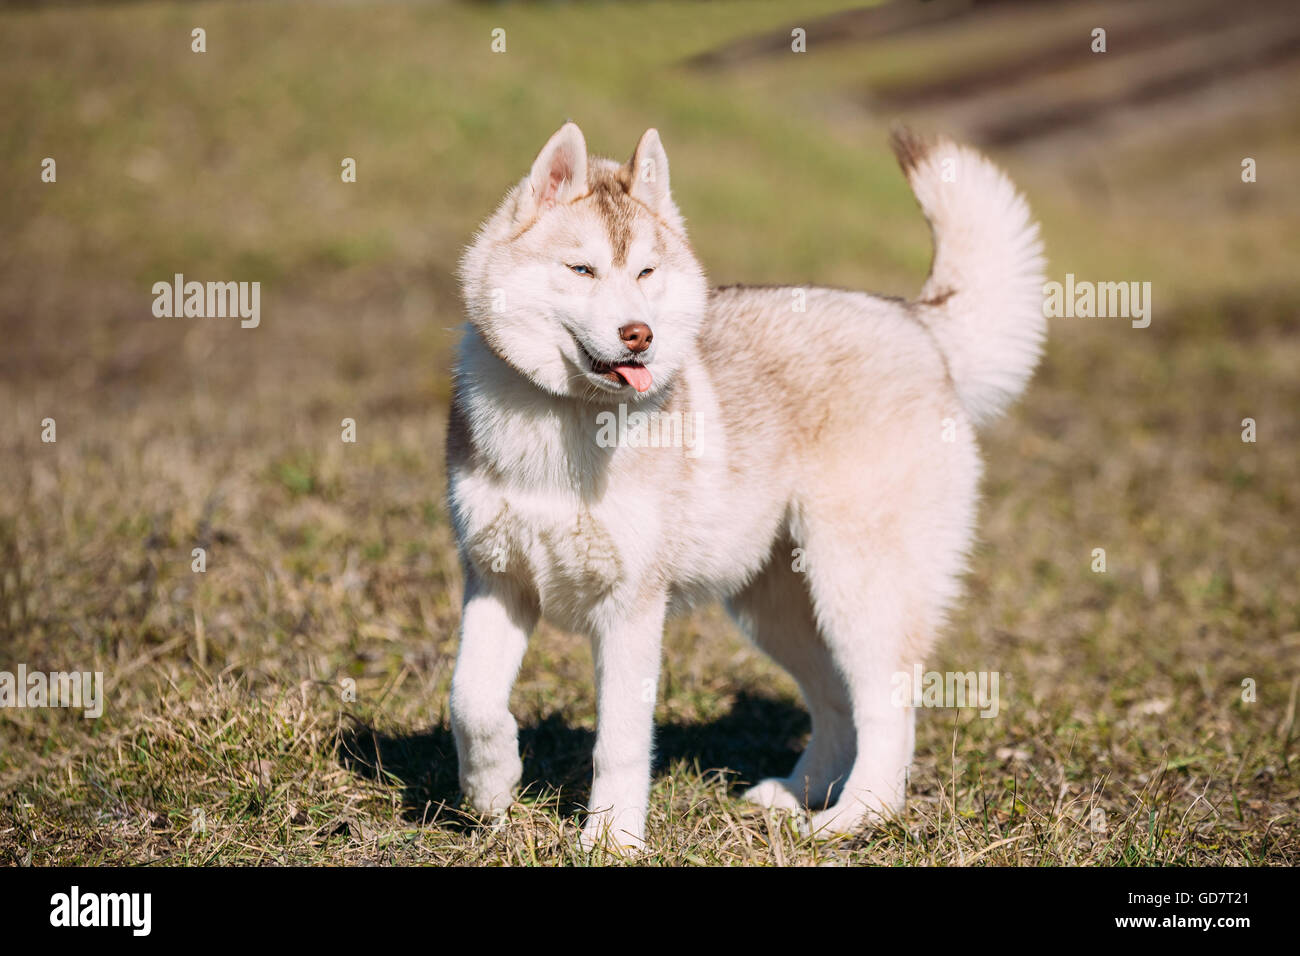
{"x":230,"y":735}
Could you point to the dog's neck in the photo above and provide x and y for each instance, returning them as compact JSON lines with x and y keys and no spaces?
{"x":528,"y":436}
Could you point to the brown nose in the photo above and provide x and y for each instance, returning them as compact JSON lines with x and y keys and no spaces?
{"x":636,"y":336}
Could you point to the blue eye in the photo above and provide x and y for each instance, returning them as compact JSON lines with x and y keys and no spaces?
{"x":645,"y":272}
{"x":584,"y":271}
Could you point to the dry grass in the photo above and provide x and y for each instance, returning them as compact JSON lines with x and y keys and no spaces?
{"x":227,"y":738}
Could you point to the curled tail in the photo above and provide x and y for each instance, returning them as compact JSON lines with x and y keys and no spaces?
{"x":983,"y":299}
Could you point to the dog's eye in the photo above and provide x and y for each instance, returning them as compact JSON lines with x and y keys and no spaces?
{"x":584,"y":271}
{"x":645,"y":272}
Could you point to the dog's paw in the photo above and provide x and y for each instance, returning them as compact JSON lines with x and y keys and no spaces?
{"x":847,"y":816}
{"x":491,"y":791}
{"x":774,"y":793}
{"x":623,"y":835}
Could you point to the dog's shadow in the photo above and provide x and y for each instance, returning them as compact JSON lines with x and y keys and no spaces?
{"x":757,"y":738}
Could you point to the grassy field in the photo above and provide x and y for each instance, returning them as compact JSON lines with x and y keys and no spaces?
{"x":231,"y":734}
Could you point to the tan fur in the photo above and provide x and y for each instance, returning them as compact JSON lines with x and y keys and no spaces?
{"x":830,"y":501}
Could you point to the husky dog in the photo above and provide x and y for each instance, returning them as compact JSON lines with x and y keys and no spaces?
{"x":825,"y":487}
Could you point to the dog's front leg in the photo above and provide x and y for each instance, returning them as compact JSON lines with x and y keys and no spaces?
{"x":494,"y":628}
{"x":627,"y":683}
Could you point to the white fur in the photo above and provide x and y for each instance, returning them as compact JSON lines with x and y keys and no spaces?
{"x":822,"y":431}
{"x":988,"y":255}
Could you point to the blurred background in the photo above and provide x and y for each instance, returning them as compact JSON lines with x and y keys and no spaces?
{"x":329,"y":562}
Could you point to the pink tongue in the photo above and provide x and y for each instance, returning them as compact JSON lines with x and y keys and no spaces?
{"x":638,"y":376}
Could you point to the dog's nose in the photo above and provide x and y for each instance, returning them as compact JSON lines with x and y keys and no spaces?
{"x":636,"y":336}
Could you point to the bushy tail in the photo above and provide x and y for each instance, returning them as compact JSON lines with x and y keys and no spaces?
{"x":984,"y":297}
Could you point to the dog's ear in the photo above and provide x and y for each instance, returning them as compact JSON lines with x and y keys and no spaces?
{"x":648,"y":174}
{"x":559,"y":173}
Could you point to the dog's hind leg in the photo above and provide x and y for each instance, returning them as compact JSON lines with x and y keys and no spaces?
{"x":880,"y":579}
{"x":774,"y":610}
{"x":862,"y":607}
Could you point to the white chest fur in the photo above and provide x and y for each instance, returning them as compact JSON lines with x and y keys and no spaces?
{"x":587,"y":527}
{"x":573,"y":554}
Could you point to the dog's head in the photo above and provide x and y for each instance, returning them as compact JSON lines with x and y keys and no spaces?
{"x":583,"y":280}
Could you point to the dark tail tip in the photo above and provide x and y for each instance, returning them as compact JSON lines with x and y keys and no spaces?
{"x":909,"y":147}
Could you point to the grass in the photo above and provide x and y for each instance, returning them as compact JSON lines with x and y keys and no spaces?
{"x":288,"y":705}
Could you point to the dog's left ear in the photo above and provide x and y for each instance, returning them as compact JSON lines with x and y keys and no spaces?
{"x":559,"y":173}
{"x":648,"y":170}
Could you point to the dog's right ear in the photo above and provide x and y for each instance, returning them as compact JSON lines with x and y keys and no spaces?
{"x":559,"y":173}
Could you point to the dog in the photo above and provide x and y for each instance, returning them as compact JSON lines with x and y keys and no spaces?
{"x":625,"y":443}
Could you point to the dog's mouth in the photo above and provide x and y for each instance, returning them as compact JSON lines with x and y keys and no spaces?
{"x":620,"y":373}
